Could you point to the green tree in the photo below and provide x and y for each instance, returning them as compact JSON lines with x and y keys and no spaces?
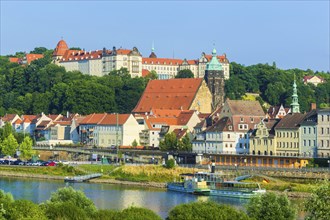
{"x":205,"y":210}
{"x":24,"y":209}
{"x":9,"y":145}
{"x":151,"y":75}
{"x":106,"y":215}
{"x":185,"y":143}
{"x":318,"y":206}
{"x":68,"y":196}
{"x":134,"y":143}
{"x":67,"y":210}
{"x":75,"y":48}
{"x":186,"y":73}
{"x":26,"y":148}
{"x":170,"y":142}
{"x":270,"y":206}
{"x":39,"y":50}
{"x":6,"y":130}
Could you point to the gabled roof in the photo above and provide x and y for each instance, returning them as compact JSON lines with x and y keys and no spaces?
{"x":29,"y":118}
{"x":221,"y":125}
{"x":18,"y":121}
{"x":168,"y":94}
{"x":307,"y":78}
{"x":248,"y":108}
{"x":273,"y":111}
{"x":8,"y":117}
{"x":290,"y":121}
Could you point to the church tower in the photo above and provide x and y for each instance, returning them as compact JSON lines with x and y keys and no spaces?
{"x":59,"y":51}
{"x":214,"y":78}
{"x":295,"y":103}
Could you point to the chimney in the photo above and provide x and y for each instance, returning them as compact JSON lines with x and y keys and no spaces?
{"x":313,"y":106}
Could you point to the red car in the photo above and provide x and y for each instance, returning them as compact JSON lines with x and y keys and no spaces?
{"x":50,"y":164}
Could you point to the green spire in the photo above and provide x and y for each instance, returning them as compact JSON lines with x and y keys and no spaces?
{"x":153,"y":47}
{"x":295,"y":103}
{"x":214,"y":64}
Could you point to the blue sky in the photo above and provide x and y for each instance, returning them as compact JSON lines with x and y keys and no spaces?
{"x":294,"y":34}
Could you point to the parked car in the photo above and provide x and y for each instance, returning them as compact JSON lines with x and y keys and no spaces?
{"x":50,"y":164}
{"x":16,"y":162}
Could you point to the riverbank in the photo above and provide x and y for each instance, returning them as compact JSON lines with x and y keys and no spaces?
{"x":143,"y":176}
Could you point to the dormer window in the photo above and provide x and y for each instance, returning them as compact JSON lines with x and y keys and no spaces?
{"x":230,"y":127}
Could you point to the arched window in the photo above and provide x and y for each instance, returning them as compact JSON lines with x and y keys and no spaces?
{"x":265,"y":153}
{"x":253,"y":152}
{"x":271,"y":153}
{"x":258,"y":152}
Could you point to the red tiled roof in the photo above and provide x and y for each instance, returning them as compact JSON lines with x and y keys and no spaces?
{"x":93,"y":118}
{"x":8,"y":117}
{"x":111,"y":119}
{"x":168,"y":94}
{"x":168,"y":112}
{"x":31,"y":57}
{"x":29,"y":118}
{"x":76,"y":55}
{"x":14,"y":59}
{"x":123,"y":51}
{"x":61,"y":48}
{"x":220,"y":58}
{"x":290,"y":121}
{"x":162,"y":61}
{"x":62,"y":122}
{"x":18,"y":121}
{"x":145,"y":72}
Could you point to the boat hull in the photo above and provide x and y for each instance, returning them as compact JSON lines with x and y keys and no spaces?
{"x":235,"y":194}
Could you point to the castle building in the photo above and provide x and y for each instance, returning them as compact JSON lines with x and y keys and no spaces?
{"x":214,"y":78}
{"x":101,"y":62}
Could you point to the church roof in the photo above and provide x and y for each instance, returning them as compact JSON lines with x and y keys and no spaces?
{"x":168,"y":94}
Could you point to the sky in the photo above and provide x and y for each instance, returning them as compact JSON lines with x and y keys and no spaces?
{"x":293,"y":34}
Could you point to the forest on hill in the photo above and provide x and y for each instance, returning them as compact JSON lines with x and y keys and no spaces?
{"x":46,"y":87}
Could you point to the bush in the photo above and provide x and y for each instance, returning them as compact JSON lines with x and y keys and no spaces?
{"x":205,"y":210}
{"x":135,"y":213}
{"x":318,"y":206}
{"x":25,"y":209}
{"x":170,"y":163}
{"x":270,"y":206}
{"x":65,"y":211}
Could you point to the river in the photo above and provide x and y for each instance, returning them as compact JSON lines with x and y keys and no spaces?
{"x":108,"y":196}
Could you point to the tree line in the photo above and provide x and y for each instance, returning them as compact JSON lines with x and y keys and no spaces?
{"x":67,"y":203}
{"x":46,"y":87}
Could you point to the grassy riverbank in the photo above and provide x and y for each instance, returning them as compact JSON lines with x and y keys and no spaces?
{"x":144,"y":175}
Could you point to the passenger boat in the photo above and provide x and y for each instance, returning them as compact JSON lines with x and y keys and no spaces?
{"x":190,"y":185}
{"x":220,"y":187}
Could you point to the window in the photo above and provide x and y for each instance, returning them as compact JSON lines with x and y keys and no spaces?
{"x":240,"y":145}
{"x":242,"y":120}
{"x":252,"y":119}
{"x":309,"y":130}
{"x":309,"y":142}
{"x":322,"y":130}
{"x":304,"y":130}
{"x":228,"y":135}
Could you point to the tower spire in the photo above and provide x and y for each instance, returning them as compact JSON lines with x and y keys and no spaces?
{"x":295,"y":103}
{"x":153,"y":47}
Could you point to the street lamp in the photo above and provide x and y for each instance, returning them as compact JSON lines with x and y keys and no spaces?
{"x":329,"y":163}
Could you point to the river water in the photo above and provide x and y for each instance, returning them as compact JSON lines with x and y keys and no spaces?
{"x":109,"y":196}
